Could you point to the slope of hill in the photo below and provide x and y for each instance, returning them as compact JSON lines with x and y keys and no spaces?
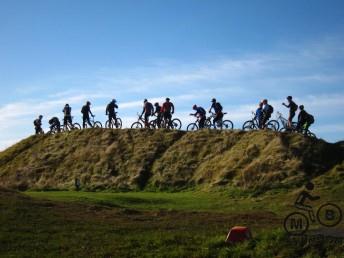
{"x":127,"y":159}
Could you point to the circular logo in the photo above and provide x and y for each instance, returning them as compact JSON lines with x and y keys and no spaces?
{"x":329,"y":215}
{"x":296,"y":224}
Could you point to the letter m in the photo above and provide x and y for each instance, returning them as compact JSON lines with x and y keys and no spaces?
{"x":296,"y":224}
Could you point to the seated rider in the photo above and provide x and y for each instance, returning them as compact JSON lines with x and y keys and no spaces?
{"x":38,"y":125}
{"x":303,"y":196}
{"x":304,"y":120}
{"x":267,"y":111}
{"x":158,"y":114}
{"x":148,"y":111}
{"x":111,"y":112}
{"x":86,"y":111}
{"x":259,"y":114}
{"x":168,"y":110}
{"x":201,"y":114}
{"x":292,"y":109}
{"x":55,"y":123}
{"x":67,"y":118}
{"x":218,"y":111}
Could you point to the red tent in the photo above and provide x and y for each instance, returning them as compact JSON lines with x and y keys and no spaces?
{"x":238,"y":234}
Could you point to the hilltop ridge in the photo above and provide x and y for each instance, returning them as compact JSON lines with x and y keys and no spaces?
{"x":105,"y":159}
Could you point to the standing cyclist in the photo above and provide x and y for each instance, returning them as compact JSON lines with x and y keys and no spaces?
{"x":218,"y":111}
{"x":86,"y":111}
{"x":67,"y":115}
{"x":168,"y":110}
{"x":38,"y":125}
{"x":292,"y":109}
{"x":158,"y":114}
{"x":111,"y":112}
{"x":148,"y":111}
{"x":267,"y":111}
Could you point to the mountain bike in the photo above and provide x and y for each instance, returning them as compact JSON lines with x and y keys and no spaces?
{"x":284,"y":123}
{"x":297,"y":223}
{"x":176,"y":124}
{"x":114,"y":124}
{"x":154,"y":123}
{"x":221,"y":124}
{"x":54,"y":129}
{"x":95,"y":124}
{"x":140,"y":123}
{"x":253,"y":124}
{"x":70,"y":127}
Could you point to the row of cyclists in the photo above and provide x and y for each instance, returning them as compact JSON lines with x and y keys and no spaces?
{"x":166,"y":110}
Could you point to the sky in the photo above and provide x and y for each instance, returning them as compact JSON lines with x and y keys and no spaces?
{"x":240,"y":52}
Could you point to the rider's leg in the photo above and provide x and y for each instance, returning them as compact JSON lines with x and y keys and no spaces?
{"x":290,"y":118}
{"x":201,"y":122}
{"x":84,"y":118}
{"x":146,"y":120}
{"x":158,"y":120}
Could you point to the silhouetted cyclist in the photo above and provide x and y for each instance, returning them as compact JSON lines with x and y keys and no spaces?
{"x":38,"y":125}
{"x":158,"y":114}
{"x":168,"y":110}
{"x":111,"y":112}
{"x":267,"y":111}
{"x":259,"y":115}
{"x":148,"y":111}
{"x":86,"y":111}
{"x":292,"y":109}
{"x":301,"y":199}
{"x":67,"y":115}
{"x":304,"y":120}
{"x":201,"y":113}
{"x":55,"y":123}
{"x":217,"y":109}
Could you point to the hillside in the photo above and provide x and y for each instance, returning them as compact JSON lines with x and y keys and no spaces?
{"x":127,"y":159}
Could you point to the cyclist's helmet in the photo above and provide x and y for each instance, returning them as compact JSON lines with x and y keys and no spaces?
{"x":156,"y":104}
{"x":194,"y":107}
{"x":289,"y":98}
{"x":145,"y":100}
{"x":265,"y":101}
{"x":167,"y":99}
{"x":301,"y":107}
{"x":88,"y":103}
{"x":213,"y":100}
{"x":114,"y":101}
{"x":40,"y":116}
{"x":67,"y":105}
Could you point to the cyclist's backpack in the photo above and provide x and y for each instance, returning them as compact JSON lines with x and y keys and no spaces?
{"x":270,"y":109}
{"x":150,"y":108}
{"x":201,"y":111}
{"x":310,"y":119}
{"x":293,"y":107}
{"x":84,"y":110}
{"x":218,"y":107}
{"x":35,"y":122}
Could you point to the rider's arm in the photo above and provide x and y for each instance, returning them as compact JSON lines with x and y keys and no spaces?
{"x":143,"y":111}
{"x":172,"y":106}
{"x":212,"y":106}
{"x":116,"y":106}
{"x":90,"y":112}
{"x":314,"y":198}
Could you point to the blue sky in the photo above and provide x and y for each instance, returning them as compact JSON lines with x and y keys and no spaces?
{"x":57,"y":52}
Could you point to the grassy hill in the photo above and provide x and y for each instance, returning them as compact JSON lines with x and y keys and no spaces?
{"x":124,"y":160}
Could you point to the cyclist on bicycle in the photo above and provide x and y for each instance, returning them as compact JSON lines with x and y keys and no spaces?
{"x":67,"y":118}
{"x":292,"y":109}
{"x":86,"y":111}
{"x":267,"y":111}
{"x":304,"y":120}
{"x":148,"y":110}
{"x":259,"y":114}
{"x":158,"y":114}
{"x":38,"y":125}
{"x":168,"y":110}
{"x":303,"y":196}
{"x":217,"y":109}
{"x":201,"y":113}
{"x":111,"y":112}
{"x":55,"y":123}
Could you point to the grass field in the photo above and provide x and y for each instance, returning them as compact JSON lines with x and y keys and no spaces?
{"x":146,"y":224}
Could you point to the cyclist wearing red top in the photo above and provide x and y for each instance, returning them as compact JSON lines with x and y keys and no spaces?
{"x":168,"y":110}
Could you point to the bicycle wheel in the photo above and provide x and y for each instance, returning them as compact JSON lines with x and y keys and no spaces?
{"x":97,"y":124}
{"x":227,"y":125}
{"x":208,"y":124}
{"x":136,"y":125}
{"x":176,"y":124}
{"x":276,"y":124}
{"x":76,"y":126}
{"x":192,"y":127}
{"x":108,"y":124}
{"x":270,"y":126}
{"x":329,"y":215}
{"x":119,"y":123}
{"x":248,"y":125}
{"x":63,"y":129}
{"x":152,"y":124}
